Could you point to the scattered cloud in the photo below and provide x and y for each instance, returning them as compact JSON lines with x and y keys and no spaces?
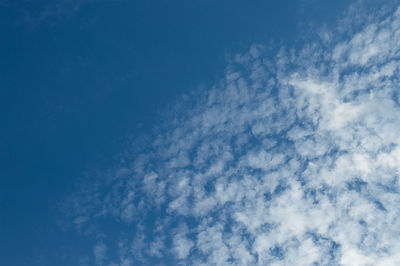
{"x":291,"y":160}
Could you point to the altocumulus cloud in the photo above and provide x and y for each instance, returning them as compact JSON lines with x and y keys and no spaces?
{"x":290,"y":160}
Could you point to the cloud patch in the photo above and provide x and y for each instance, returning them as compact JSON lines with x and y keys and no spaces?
{"x":291,"y":160}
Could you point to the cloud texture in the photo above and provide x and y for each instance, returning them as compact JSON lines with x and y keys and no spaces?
{"x":291,"y":160}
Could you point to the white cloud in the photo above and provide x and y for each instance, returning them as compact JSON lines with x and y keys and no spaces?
{"x":287,"y":161}
{"x":182,"y":246}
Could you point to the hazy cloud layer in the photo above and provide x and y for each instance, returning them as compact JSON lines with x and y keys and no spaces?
{"x":292,"y":160}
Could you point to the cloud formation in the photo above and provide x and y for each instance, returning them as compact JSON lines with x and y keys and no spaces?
{"x":292,"y":160}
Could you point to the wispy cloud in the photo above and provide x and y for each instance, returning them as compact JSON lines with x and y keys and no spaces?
{"x":291,"y":160}
{"x":42,"y":12}
{"x":99,"y":251}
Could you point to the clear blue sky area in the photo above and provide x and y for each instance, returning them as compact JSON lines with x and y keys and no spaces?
{"x":79,"y":79}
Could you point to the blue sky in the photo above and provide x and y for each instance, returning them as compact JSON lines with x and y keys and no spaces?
{"x":199,"y":133}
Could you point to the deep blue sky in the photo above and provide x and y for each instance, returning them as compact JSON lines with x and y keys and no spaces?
{"x":79,"y":78}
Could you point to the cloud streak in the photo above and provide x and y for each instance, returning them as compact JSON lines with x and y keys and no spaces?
{"x":292,"y":160}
